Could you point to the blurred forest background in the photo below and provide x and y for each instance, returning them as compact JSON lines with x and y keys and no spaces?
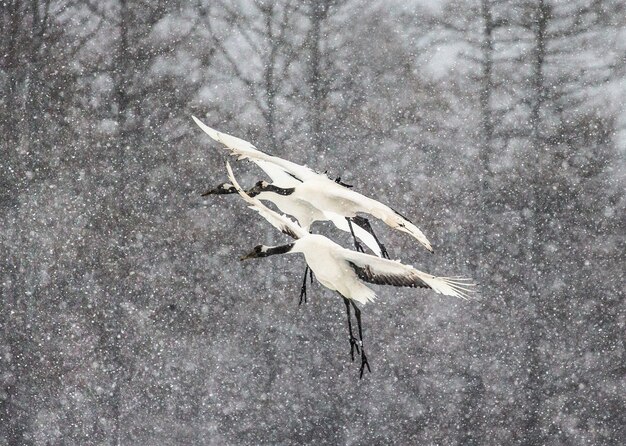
{"x":126,"y":317}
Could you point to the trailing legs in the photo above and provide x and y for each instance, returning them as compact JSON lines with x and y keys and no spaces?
{"x":353,"y":342}
{"x":357,"y":245}
{"x":365,"y":224}
{"x":303,"y":288}
{"x":364,"y":362}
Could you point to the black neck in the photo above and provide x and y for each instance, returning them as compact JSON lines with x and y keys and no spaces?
{"x":273,"y":250}
{"x":280,"y":190}
{"x":271,"y":188}
{"x":223,"y":188}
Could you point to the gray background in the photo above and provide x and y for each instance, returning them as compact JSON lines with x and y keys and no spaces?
{"x":126,"y":317}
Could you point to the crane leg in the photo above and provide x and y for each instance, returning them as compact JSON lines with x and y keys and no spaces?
{"x":364,"y":362}
{"x":365,"y":224}
{"x":353,"y":342}
{"x":357,"y":245}
{"x":303,"y":288}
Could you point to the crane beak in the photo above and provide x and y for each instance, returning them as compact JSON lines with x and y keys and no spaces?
{"x":258,"y":251}
{"x":209,"y":192}
{"x":250,"y":255}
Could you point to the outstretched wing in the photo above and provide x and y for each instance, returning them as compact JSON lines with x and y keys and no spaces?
{"x":288,"y":174}
{"x":356,"y":202}
{"x":391,"y":272}
{"x":279,"y":176}
{"x":272,"y":165}
{"x":280,"y":222}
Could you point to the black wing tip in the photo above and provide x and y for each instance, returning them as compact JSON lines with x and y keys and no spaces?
{"x":367,"y":275}
{"x":401,"y":215}
{"x":289,"y":232}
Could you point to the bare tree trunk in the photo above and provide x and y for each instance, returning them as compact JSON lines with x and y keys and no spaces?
{"x":536,"y":220}
{"x":16,"y":367}
{"x":34,"y":105}
{"x":12,"y":115}
{"x":269,"y":79}
{"x":318,"y":14}
{"x":111,"y":333}
{"x":485,"y":151}
{"x":122,"y":84}
{"x":486,"y":90}
{"x":542,"y":16}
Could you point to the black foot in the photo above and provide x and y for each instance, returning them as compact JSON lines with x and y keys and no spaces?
{"x":364,"y":363}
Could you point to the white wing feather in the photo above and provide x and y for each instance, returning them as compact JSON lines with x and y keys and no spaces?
{"x":280,"y":222}
{"x":243,"y":149}
{"x":287,"y":174}
{"x":391,"y":272}
{"x":279,"y":177}
{"x":344,"y":201}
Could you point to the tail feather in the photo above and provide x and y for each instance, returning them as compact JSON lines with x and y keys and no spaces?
{"x":362,"y":293}
{"x":449,"y":287}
